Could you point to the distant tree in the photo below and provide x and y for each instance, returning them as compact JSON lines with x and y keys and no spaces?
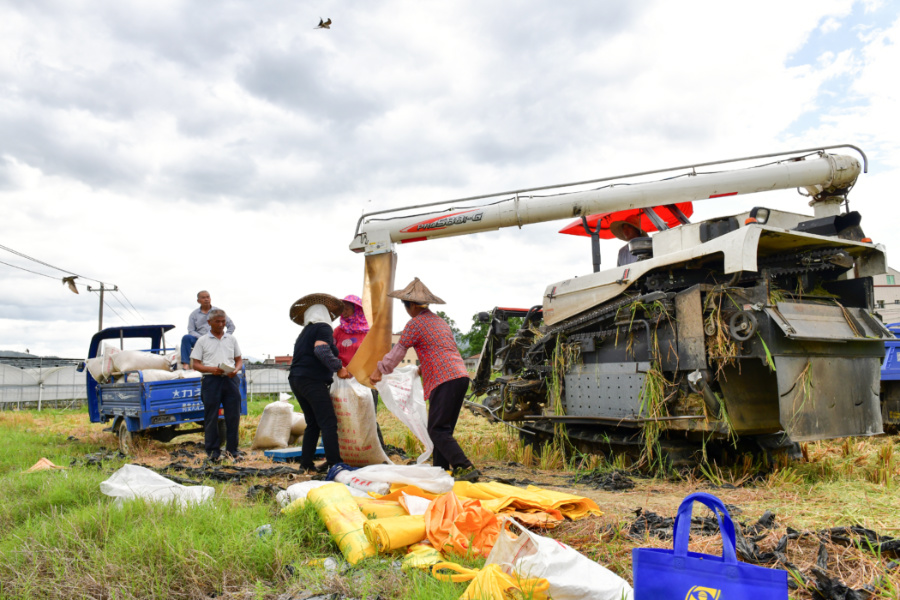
{"x":457,"y":334}
{"x":474,"y":339}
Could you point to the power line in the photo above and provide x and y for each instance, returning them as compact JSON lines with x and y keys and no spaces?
{"x":46,"y":264}
{"x":133,"y":306}
{"x":116,"y":313}
{"x":29,"y":270}
{"x":123,"y":306}
{"x":101,"y":289}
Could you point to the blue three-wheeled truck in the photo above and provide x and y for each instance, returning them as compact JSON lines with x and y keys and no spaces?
{"x":159,"y":409}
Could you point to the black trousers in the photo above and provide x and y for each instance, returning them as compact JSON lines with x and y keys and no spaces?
{"x":443,"y":412}
{"x":216,"y":391}
{"x":314,"y":398}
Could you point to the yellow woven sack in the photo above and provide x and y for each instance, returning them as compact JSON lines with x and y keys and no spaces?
{"x":421,"y":556}
{"x":491,"y":583}
{"x":394,"y":533}
{"x":380,"y":509}
{"x":343,"y":519}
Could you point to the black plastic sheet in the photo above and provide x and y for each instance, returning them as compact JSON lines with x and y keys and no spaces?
{"x":611,"y":481}
{"x":824,"y":586}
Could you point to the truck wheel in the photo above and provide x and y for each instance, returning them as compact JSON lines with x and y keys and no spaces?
{"x":125,"y":437}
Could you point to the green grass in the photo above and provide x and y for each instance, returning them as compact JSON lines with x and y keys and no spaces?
{"x":61,"y":538}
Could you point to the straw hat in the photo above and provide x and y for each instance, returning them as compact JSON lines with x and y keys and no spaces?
{"x":616,"y":227}
{"x":335,"y":307}
{"x":416,"y":292}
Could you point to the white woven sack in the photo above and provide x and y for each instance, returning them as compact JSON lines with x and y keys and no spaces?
{"x":132,"y":481}
{"x":153,"y":375}
{"x":100,"y":367}
{"x":274,"y":426}
{"x":131,"y":360}
{"x":571,"y":575}
{"x":298,"y":491}
{"x":403,"y":395}
{"x":298,"y":425}
{"x":357,"y":428}
{"x":351,"y":480}
{"x":431,"y":479}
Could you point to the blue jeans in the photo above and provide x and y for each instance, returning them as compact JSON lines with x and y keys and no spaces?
{"x":187,"y":344}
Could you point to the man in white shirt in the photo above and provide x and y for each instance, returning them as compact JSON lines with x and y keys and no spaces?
{"x":198,"y":326}
{"x":218,"y":356}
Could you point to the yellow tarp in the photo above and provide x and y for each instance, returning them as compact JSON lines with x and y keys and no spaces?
{"x":421,"y":556}
{"x":394,"y":533}
{"x":547,"y":506}
{"x":491,"y":583}
{"x":344,"y":520}
{"x":500,"y":497}
{"x":379,"y":280}
{"x":380,"y":509}
{"x":397,"y":491}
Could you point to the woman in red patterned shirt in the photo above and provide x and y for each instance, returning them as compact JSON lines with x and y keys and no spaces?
{"x":444,"y":375}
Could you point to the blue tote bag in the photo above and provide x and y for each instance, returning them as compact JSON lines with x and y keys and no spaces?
{"x":681,"y":575}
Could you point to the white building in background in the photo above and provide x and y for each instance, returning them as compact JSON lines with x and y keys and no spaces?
{"x":410,"y":358}
{"x":887,"y":295}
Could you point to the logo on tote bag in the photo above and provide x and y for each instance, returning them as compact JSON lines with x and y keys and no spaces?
{"x":702,"y":593}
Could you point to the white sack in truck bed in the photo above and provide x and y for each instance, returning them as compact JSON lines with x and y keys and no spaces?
{"x":129,"y":360}
{"x":158,"y":375}
{"x":101,"y":367}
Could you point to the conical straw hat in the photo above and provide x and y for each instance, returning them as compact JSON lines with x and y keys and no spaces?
{"x":616,"y":227}
{"x":43,"y":465}
{"x":416,"y":292}
{"x":298,"y":308}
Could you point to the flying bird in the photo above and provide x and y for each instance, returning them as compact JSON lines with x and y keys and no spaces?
{"x":324,"y":24}
{"x":70,"y":281}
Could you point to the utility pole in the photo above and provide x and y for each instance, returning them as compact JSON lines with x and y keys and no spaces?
{"x":102,"y":289}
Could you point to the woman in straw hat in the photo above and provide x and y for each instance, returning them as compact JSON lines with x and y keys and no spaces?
{"x":626,"y":230}
{"x":315,"y":361}
{"x":444,"y":375}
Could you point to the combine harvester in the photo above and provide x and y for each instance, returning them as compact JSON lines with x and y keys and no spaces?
{"x":739,"y":333}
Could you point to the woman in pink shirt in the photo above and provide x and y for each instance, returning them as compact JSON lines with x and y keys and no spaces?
{"x":353,"y":329}
{"x":349,"y":335}
{"x":444,"y":375}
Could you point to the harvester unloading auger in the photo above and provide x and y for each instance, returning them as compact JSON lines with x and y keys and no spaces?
{"x":750,"y":330}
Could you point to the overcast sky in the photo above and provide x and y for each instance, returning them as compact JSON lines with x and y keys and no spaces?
{"x":169,"y":147}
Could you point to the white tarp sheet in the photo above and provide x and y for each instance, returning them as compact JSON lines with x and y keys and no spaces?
{"x":132,"y":481}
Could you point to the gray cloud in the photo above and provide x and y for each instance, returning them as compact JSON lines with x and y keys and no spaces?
{"x":52,"y":305}
{"x":230,"y":175}
{"x":172,"y":56}
{"x":299,"y":80}
{"x":60,"y":149}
